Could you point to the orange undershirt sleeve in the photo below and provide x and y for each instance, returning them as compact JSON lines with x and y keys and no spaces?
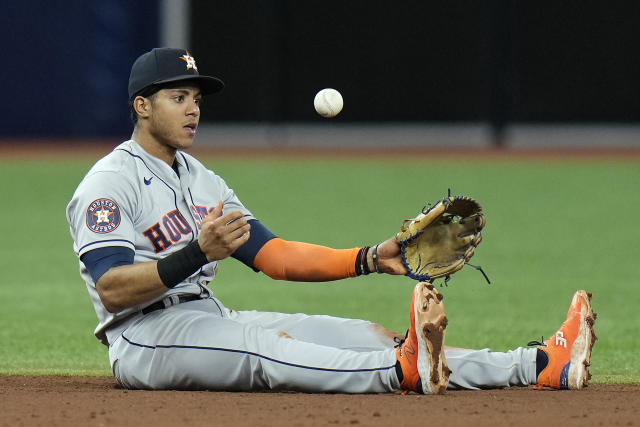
{"x":305,"y":262}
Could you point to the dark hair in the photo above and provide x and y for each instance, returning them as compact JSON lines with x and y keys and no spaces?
{"x":147,"y":92}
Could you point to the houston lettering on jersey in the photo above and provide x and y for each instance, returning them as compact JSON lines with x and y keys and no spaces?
{"x":167,"y":231}
{"x":199,"y":213}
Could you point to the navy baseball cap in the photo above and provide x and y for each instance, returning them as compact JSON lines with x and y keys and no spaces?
{"x":166,"y":65}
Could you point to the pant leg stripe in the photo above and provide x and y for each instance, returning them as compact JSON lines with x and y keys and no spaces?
{"x":229,"y":350}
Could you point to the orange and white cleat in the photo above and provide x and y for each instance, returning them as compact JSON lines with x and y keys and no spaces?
{"x":421,"y":353}
{"x":569,"y":349}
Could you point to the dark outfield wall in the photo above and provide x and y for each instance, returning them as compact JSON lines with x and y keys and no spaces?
{"x":423,"y":60}
{"x":65,"y":65}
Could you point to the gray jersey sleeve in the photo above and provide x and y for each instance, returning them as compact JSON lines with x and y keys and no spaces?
{"x":102,"y":212}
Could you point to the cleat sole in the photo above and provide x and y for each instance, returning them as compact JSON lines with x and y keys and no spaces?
{"x":431,"y":323}
{"x":579,"y":373}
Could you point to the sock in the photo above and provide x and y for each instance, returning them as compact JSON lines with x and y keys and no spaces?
{"x":399,"y":371}
{"x":542,"y":360}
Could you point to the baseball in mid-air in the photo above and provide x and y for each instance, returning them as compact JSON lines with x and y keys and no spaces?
{"x":328,"y":102}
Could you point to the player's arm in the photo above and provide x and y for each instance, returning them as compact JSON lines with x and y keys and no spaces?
{"x":305,"y":262}
{"x":122,"y":286}
{"x":125,"y":285}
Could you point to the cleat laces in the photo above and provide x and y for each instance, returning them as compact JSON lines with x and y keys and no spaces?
{"x":537,"y":343}
{"x":400,"y":341}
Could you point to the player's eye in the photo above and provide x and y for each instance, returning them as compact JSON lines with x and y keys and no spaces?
{"x":198,"y":101}
{"x":179,"y":98}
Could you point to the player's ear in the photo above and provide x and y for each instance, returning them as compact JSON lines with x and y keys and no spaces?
{"x":143,"y":106}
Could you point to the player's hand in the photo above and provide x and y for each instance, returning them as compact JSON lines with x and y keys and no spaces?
{"x":221,"y":235}
{"x":389,"y":258}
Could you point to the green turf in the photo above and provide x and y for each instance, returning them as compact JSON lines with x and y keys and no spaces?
{"x":552,"y":228}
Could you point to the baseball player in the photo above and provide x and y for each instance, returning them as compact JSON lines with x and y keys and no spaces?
{"x":150,"y":223}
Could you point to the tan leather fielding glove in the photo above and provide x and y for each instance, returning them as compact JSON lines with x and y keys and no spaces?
{"x":440,"y":240}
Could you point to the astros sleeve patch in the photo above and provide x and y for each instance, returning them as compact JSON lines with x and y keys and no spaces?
{"x":103,"y":216}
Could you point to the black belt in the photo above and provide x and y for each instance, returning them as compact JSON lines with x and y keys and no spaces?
{"x":159,"y":305}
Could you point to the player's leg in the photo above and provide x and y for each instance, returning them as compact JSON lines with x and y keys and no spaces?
{"x":566,"y":356}
{"x":562,"y":361}
{"x":338,"y":332}
{"x":472,"y":369}
{"x":477,"y":369}
{"x":420,"y":361}
{"x":189,"y":346}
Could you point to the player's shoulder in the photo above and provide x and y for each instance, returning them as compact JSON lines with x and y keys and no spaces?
{"x":114,"y":164}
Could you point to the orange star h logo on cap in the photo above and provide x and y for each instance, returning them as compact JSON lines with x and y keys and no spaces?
{"x":190,"y":60}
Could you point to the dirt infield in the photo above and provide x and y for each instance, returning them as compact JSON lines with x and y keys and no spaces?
{"x":91,"y":401}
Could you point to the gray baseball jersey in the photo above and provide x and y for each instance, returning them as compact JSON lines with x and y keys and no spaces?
{"x":134,"y":200}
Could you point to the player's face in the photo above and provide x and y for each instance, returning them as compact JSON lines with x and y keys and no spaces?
{"x":175,"y":116}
